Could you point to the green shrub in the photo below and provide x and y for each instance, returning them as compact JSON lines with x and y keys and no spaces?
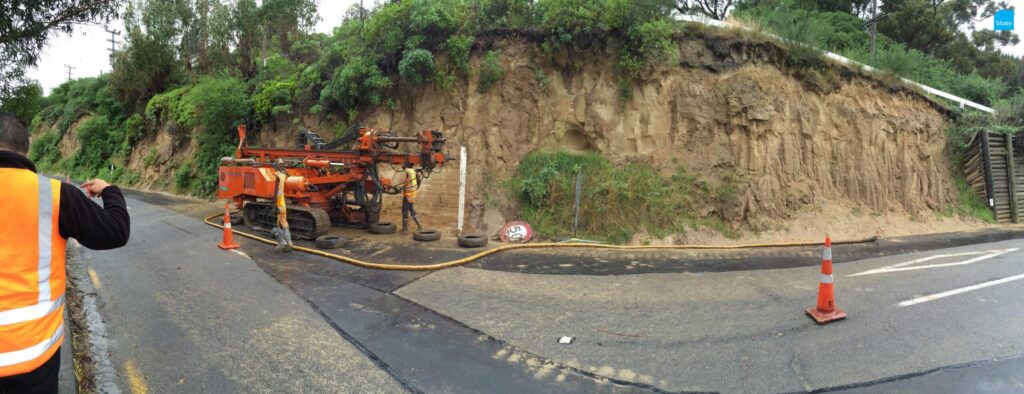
{"x":617,"y":202}
{"x":44,"y":151}
{"x":98,"y":138}
{"x":652,"y":41}
{"x":211,"y":109}
{"x":491,"y":71}
{"x":171,"y":107}
{"x":150,"y":157}
{"x":444,"y":79}
{"x":79,"y":97}
{"x":572,"y":20}
{"x":417,"y":66}
{"x":359,"y":83}
{"x":182,"y":177}
{"x":979,"y":89}
{"x":272,"y":98}
{"x":134,"y":130}
{"x":542,"y":79}
{"x":969,"y":203}
{"x":221,"y":104}
{"x":458,"y":51}
{"x":437,"y":18}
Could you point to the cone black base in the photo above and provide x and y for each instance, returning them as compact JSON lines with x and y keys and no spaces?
{"x":826,"y":317}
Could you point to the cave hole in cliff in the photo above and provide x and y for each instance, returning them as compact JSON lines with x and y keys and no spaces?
{"x":576,"y":141}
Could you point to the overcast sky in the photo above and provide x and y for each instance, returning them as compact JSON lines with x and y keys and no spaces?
{"x":88,"y":51}
{"x":87,"y":48}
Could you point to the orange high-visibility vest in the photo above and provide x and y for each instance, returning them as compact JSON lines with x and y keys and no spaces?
{"x":412,"y":184}
{"x":32,"y":272}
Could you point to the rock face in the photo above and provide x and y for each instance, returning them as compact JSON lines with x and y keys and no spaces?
{"x":725,"y":108}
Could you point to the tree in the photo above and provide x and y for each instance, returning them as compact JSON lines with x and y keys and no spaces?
{"x":149,"y":62}
{"x":714,"y":9}
{"x":246,"y":20}
{"x":284,"y":17}
{"x":25,"y":25}
{"x":24,"y":102}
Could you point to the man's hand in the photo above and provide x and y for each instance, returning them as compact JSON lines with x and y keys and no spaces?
{"x":94,"y":187}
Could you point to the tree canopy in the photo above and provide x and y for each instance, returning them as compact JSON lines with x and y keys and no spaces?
{"x":26,"y":25}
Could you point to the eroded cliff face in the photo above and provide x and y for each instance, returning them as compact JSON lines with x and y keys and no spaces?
{"x":726,"y":108}
{"x":720,"y":111}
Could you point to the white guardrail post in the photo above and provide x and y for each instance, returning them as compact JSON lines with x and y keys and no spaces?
{"x":462,"y":188}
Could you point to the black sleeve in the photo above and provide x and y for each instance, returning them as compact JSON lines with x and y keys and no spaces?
{"x":93,"y":226}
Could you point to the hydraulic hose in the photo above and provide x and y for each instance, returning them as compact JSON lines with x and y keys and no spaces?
{"x":539,"y":245}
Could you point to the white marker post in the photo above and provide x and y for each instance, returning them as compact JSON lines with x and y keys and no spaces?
{"x":462,"y":188}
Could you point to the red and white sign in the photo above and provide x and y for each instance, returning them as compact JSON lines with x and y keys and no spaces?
{"x":516,"y":232}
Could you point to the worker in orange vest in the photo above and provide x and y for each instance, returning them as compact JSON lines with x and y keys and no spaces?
{"x":39,"y":215}
{"x":281,"y":232}
{"x":409,"y":188}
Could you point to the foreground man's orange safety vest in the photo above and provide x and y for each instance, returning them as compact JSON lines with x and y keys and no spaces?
{"x":32,"y":272}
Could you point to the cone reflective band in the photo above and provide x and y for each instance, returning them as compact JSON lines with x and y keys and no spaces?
{"x":228,"y":242}
{"x":825,"y":311}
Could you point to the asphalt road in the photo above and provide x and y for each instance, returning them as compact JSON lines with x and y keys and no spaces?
{"x":184,"y":316}
{"x":745,"y":331}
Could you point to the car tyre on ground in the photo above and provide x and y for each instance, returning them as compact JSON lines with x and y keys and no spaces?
{"x":382,"y":228}
{"x":236,"y":218}
{"x":472,"y":240}
{"x":426,"y":235}
{"x":329,"y":241}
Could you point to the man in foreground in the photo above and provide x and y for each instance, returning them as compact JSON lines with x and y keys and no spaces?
{"x":38,"y":215}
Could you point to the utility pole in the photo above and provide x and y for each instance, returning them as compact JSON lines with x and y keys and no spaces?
{"x":113,"y":43}
{"x":874,"y":25}
{"x":69,"y":67}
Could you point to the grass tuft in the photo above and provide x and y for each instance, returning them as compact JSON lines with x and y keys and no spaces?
{"x":618,"y":202}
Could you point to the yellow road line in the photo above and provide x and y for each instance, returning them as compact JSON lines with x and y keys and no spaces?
{"x":95,"y":279}
{"x":135,"y":380}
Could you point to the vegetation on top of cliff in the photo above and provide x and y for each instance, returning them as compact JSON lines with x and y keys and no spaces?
{"x":618,"y":202}
{"x":977,"y":72}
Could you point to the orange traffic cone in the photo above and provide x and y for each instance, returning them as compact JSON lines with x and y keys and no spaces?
{"x":229,"y":240}
{"x":826,"y":310}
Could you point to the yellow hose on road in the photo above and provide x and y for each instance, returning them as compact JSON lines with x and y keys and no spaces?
{"x":541,"y":245}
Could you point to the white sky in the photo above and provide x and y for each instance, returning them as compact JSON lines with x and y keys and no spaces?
{"x":87,"y":48}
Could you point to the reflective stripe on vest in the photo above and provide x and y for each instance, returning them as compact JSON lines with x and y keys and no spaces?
{"x":32,"y":278}
{"x":412,"y":183}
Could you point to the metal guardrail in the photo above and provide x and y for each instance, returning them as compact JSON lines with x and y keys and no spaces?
{"x":844,"y":60}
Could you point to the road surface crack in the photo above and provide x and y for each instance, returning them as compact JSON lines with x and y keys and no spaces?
{"x":798,"y":372}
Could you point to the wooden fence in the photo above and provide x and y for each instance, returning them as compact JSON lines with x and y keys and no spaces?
{"x":995,"y":170}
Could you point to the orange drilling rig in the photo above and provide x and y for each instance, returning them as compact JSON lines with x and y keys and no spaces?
{"x":324,"y":186}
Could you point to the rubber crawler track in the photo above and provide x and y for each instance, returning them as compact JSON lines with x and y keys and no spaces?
{"x":541,"y":245}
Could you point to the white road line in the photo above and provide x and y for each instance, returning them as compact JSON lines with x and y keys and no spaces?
{"x":960,"y":290}
{"x":904,"y":266}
